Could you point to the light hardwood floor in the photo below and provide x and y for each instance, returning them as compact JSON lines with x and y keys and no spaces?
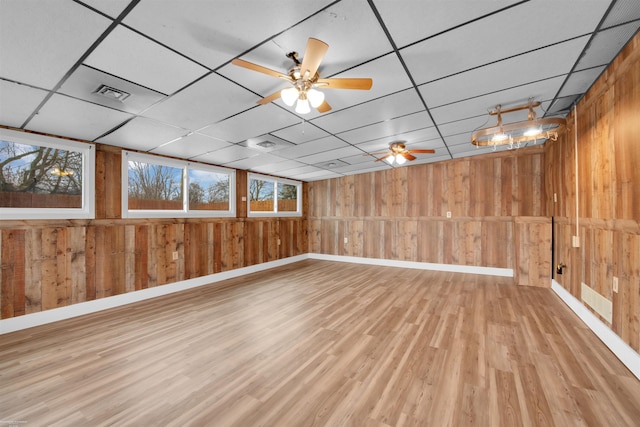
{"x":322,"y":343}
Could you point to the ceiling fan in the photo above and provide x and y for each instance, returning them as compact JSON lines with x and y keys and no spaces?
{"x":399,"y":153}
{"x":305,"y":80}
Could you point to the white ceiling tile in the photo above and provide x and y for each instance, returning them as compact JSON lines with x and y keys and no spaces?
{"x":312,"y":147}
{"x":359,"y":158}
{"x":72,"y":118}
{"x":301,"y":133}
{"x":562,"y":104}
{"x":485,"y":41}
{"x":228,"y":154}
{"x":623,"y":11}
{"x":143,"y":134}
{"x":207,"y":101}
{"x":142,"y":61}
{"x":395,"y":105}
{"x":606,"y":44}
{"x":544,"y":63}
{"x":113,"y":8}
{"x":279,"y":167}
{"x":17,"y":102}
{"x":301,"y":170}
{"x":435,"y":16}
{"x":392,"y":127}
{"x":580,"y":81}
{"x":314,"y":176}
{"x":41,"y":41}
{"x":330,"y":155}
{"x":466,"y":125}
{"x":255,"y":161}
{"x":190,"y":146}
{"x":251,"y":123}
{"x":388,"y":77}
{"x":212,"y":33}
{"x":370,"y":165}
{"x":463,"y":138}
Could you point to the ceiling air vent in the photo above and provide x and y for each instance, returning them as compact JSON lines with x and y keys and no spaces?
{"x":112,"y":93}
{"x":266,"y":144}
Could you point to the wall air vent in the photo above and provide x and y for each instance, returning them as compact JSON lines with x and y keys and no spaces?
{"x":112,"y":93}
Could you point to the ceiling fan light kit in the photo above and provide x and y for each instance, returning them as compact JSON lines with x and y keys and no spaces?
{"x":398,"y":153}
{"x":305,"y":80}
{"x":514,"y":134}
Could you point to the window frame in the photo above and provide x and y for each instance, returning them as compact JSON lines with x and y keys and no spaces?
{"x":276,"y":181}
{"x":185,"y":212}
{"x":88,"y":151}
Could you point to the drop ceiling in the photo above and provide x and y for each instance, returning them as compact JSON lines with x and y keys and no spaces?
{"x":437,"y":68}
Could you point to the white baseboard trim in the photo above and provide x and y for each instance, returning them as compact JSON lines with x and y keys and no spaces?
{"x":489,"y":271}
{"x":627,"y":355}
{"x":48,"y":316}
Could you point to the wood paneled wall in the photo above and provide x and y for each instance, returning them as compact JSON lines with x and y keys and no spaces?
{"x":50,"y":264}
{"x":495,"y":201}
{"x":608,"y":120}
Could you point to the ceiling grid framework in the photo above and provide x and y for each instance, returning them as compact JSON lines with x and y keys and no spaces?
{"x":437,"y":69}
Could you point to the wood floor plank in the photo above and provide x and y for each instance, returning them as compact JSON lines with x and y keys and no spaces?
{"x":326,"y":344}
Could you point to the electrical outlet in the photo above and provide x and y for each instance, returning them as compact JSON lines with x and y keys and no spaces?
{"x":448,"y":214}
{"x":175,"y":256}
{"x":346,"y":240}
{"x":555,"y":197}
{"x":575,"y":241}
{"x":278,"y":241}
{"x":615,"y":284}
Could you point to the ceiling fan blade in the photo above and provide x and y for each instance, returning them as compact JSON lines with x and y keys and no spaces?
{"x":422,"y":151}
{"x":274,"y":96}
{"x":259,"y":68}
{"x":408,"y":156}
{"x":324,"y":107}
{"x":381,"y":159}
{"x":313,"y":55}
{"x":346,"y":83}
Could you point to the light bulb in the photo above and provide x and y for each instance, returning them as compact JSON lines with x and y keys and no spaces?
{"x":400,"y":159}
{"x":389,"y":159}
{"x":289,"y":95}
{"x":533,"y":132}
{"x":499,"y":137}
{"x":315,"y":97}
{"x":302,"y":107}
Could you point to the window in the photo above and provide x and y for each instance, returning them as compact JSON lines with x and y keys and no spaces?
{"x":43,"y":177}
{"x":274,"y":196}
{"x":158,"y":187}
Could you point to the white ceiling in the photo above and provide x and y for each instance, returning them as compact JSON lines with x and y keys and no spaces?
{"x":437,"y":68}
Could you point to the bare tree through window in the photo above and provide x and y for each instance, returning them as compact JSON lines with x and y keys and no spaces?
{"x":31,"y":174}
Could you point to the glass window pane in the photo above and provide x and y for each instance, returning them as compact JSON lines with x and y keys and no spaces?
{"x":153,"y":186}
{"x":208,"y":190}
{"x":261,"y":195}
{"x":287,"y":198}
{"x":33,"y":176}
